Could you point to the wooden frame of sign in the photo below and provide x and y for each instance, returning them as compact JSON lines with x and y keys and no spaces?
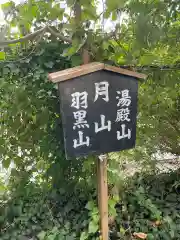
{"x":99,"y":108}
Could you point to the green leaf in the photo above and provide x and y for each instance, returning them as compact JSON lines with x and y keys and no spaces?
{"x":2,"y":55}
{"x":114,"y":16}
{"x":55,"y":230}
{"x":105,"y":45}
{"x":84,"y":236}
{"x":122,"y":230}
{"x":41,"y":235}
{"x":49,"y":64}
{"x":76,"y":61}
{"x":52,"y":237}
{"x":8,"y":5}
{"x":107,"y":14}
{"x":17,"y":210}
{"x":115,"y":4}
{"x":6,"y":162}
{"x":90,"y":205}
{"x":70,"y":51}
{"x":93,"y":227}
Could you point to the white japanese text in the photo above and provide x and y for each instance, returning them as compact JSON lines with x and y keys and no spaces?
{"x":80,"y":142}
{"x":79,"y":100}
{"x":102,"y":90}
{"x":102,"y":125}
{"x":122,"y":134}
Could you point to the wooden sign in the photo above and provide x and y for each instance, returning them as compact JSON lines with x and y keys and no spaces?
{"x":99,"y":108}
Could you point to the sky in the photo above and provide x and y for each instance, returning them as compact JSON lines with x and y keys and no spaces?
{"x":4,"y":1}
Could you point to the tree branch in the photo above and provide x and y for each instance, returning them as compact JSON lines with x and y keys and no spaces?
{"x":59,"y":35}
{"x":23,"y":39}
{"x":33,"y":35}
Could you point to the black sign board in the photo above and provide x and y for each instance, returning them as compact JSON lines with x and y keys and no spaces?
{"x":99,"y":112}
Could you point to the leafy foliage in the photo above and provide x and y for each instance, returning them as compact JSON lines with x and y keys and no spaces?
{"x":152,"y":206}
{"x":42,"y":214}
{"x":48,"y":197}
{"x":30,"y":122}
{"x":41,"y":178}
{"x":149,"y":204}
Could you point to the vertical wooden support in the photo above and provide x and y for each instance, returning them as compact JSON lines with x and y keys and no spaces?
{"x":102,"y":160}
{"x":77,"y":13}
{"x":103,"y":195}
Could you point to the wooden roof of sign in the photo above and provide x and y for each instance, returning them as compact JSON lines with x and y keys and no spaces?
{"x":89,"y":68}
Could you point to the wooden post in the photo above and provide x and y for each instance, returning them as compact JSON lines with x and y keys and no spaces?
{"x":77,"y":13}
{"x":103,"y":195}
{"x":102,"y":160}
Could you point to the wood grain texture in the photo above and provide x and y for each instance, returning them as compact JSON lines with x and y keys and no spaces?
{"x":75,"y":72}
{"x":124,"y":71}
{"x":103,"y":197}
{"x":89,"y":68}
